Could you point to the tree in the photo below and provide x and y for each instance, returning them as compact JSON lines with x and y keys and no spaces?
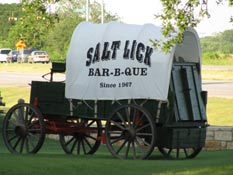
{"x":179,"y":15}
{"x":58,"y":39}
{"x":10,"y":14}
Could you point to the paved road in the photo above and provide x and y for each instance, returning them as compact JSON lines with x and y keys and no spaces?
{"x":218,"y":88}
{"x":24,"y":79}
{"x":215,"y":88}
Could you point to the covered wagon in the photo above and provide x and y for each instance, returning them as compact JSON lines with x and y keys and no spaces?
{"x":120,"y":90}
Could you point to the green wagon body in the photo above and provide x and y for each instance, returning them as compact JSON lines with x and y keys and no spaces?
{"x":181,"y":122}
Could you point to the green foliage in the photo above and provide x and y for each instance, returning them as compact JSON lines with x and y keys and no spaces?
{"x":58,"y":39}
{"x":220,"y":43}
{"x":57,"y":42}
{"x":177,"y":16}
{"x":44,"y":29}
{"x":213,"y":55}
{"x":9,"y":15}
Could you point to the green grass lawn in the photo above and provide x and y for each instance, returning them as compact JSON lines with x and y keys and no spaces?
{"x":53,"y":161}
{"x":226,"y":75}
{"x":223,"y":61}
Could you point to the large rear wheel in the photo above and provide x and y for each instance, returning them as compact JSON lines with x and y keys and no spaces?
{"x":23,"y":129}
{"x":130,"y":132}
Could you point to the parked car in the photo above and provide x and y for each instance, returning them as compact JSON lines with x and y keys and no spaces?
{"x":24,"y":54}
{"x":4,"y":54}
{"x":38,"y":57}
{"x":12,"y":56}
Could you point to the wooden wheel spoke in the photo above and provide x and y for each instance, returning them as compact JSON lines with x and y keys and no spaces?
{"x":134,"y":118}
{"x":78,"y":148}
{"x":89,"y":136}
{"x":116,"y":139}
{"x":15,"y":114}
{"x":30,"y":119}
{"x":134,"y":149}
{"x":83,"y":146}
{"x":17,"y":142}
{"x":122,"y":145}
{"x":12,"y":138}
{"x":143,"y":141}
{"x":26,"y":115}
{"x":87,"y":142}
{"x":121,"y":117}
{"x":22,"y":145}
{"x":93,"y":121}
{"x":72,"y":139}
{"x":169,"y":152}
{"x":142,"y":127}
{"x":127,"y":149}
{"x":73,"y":146}
{"x":21,"y":114}
{"x":185,"y":152}
{"x":14,"y":123}
{"x":127,"y":111}
{"x":139,"y":146}
{"x":118,"y":125}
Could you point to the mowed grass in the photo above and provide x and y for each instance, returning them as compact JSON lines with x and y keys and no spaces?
{"x":208,"y":163}
{"x":220,"y":111}
{"x":52,"y":160}
{"x":226,"y":75}
{"x":223,"y":61}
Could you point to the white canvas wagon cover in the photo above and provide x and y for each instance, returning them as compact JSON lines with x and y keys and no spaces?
{"x":115,"y":61}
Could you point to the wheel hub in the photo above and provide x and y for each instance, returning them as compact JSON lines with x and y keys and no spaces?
{"x":130,"y":133}
{"x":21,"y":131}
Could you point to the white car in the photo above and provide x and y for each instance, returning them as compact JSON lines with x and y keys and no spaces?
{"x":4,"y":55}
{"x":38,"y":57}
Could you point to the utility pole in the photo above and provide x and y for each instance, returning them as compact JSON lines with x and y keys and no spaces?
{"x":102,"y":11}
{"x":87,"y":10}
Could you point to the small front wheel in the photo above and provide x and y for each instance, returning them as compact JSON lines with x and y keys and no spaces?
{"x":23,"y":129}
{"x":86,"y":139}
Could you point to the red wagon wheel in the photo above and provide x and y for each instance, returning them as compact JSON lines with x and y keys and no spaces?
{"x":130,"y":132}
{"x":180,"y":153}
{"x":23,"y":129}
{"x":86,"y":140}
